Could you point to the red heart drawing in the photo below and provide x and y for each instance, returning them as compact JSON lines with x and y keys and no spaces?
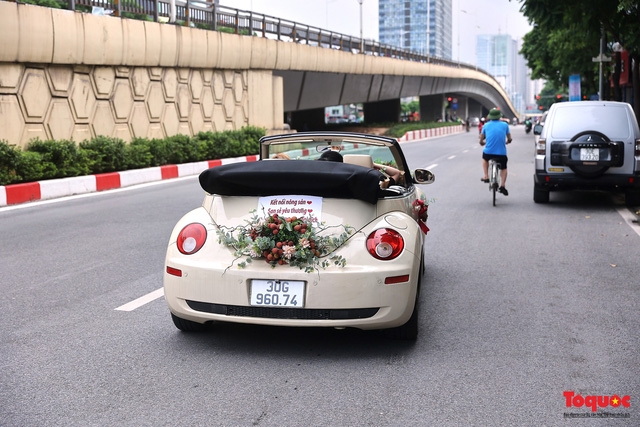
{"x":310,"y":210}
{"x":309,"y":202}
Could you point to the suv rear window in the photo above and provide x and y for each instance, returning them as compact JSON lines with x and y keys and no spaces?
{"x":611,"y":121}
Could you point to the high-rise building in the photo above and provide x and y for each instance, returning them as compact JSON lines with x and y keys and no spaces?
{"x":421,"y":26}
{"x":498,"y":55}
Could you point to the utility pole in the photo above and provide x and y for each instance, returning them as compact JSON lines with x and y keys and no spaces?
{"x":428,"y":28}
{"x":361,"y":39}
{"x":601,"y":58}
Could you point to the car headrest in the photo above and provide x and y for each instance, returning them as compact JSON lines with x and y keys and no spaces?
{"x":359,"y":159}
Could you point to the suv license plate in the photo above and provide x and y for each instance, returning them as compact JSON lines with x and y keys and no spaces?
{"x":277,"y":293}
{"x":589,"y":154}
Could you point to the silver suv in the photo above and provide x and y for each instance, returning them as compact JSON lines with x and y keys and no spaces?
{"x":591,"y":145}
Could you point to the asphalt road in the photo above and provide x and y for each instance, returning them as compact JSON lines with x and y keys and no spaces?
{"x":521,"y":303}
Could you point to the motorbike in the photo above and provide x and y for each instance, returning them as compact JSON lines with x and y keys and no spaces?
{"x":527,"y":126}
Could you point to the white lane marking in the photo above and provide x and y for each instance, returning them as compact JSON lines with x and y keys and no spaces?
{"x":465,"y":151}
{"x":630,"y":219}
{"x":139,"y":302}
{"x":451,"y":157}
{"x":431,"y":166}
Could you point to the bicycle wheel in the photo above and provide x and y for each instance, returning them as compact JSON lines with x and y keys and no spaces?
{"x":494,"y":190}
{"x":493,"y":179}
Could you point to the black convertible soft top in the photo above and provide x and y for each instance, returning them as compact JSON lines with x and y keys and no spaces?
{"x":283,"y":177}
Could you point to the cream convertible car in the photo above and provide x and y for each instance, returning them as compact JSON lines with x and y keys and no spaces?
{"x":293,"y":241}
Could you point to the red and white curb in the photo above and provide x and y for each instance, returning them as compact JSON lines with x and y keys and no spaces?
{"x":430,"y":133}
{"x":54,"y":188}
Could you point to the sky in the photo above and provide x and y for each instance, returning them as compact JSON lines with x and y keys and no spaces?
{"x":470,"y":18}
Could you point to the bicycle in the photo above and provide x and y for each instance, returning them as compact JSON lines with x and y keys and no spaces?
{"x":494,"y":178}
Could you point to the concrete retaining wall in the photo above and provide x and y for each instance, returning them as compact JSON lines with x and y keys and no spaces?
{"x":71,"y":75}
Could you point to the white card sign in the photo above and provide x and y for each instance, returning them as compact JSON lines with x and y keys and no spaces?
{"x":289,"y":206}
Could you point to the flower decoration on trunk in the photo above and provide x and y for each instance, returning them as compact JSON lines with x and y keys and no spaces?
{"x":300,"y":242}
{"x":420,"y":208}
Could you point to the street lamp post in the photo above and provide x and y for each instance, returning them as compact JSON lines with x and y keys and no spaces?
{"x":428,"y":29}
{"x":601,"y":58}
{"x":361,"y":39}
{"x":466,"y":13}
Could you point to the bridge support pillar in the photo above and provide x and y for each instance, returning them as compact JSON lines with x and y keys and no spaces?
{"x":432,"y":108}
{"x":382,"y":111}
{"x":475,"y":108}
{"x":463,"y":108}
{"x":306,"y":120}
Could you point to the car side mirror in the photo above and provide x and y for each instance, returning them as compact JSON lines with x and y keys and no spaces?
{"x":537,"y":129}
{"x":423,"y":176}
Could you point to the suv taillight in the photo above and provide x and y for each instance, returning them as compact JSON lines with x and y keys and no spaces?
{"x":637,"y":147}
{"x":541,"y":146}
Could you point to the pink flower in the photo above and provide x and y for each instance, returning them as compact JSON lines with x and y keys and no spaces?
{"x":288,"y":251}
{"x":304,"y":242}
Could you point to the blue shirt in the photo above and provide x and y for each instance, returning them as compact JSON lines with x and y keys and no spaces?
{"x":495,"y":132}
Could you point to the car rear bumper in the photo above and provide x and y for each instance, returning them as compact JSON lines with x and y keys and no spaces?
{"x":607,"y":182}
{"x":352,"y":296}
{"x":371,"y":305}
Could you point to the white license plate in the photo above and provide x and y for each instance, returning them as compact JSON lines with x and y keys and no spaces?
{"x":589,"y":154}
{"x":277,"y":293}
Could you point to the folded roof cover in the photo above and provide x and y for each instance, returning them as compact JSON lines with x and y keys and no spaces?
{"x":283,"y":177}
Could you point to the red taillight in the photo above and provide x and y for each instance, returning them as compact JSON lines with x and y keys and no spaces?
{"x":396,"y":279}
{"x":541,"y":146}
{"x":191,"y":238}
{"x":385,"y":244}
{"x":174,"y":271}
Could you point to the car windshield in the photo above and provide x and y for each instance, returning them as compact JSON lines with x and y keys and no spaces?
{"x":610,"y":120}
{"x":312,"y":149}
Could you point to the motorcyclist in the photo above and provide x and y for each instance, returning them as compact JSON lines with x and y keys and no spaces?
{"x":527,"y":125}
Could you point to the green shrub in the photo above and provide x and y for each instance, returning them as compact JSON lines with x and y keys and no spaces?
{"x":47,"y":3}
{"x":30,"y":166}
{"x":250,"y":137}
{"x":138,"y":154}
{"x":60,"y":159}
{"x":212,"y":145}
{"x":182,"y":149}
{"x":106,"y":154}
{"x":203,"y":26}
{"x":57,"y":159}
{"x":9,"y":158}
{"x":230,"y":143}
{"x":160,"y":151}
{"x":139,"y":11}
{"x":138,"y":16}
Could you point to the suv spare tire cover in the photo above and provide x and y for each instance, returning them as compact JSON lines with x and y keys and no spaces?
{"x":589,"y":171}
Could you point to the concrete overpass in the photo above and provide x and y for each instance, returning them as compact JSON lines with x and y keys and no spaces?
{"x":73,"y":75}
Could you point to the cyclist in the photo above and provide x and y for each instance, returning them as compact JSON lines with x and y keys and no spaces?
{"x":495,"y":136}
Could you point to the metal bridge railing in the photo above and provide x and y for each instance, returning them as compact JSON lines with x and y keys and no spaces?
{"x":206,"y":15}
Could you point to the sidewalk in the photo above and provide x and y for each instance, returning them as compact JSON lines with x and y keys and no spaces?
{"x":54,"y":188}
